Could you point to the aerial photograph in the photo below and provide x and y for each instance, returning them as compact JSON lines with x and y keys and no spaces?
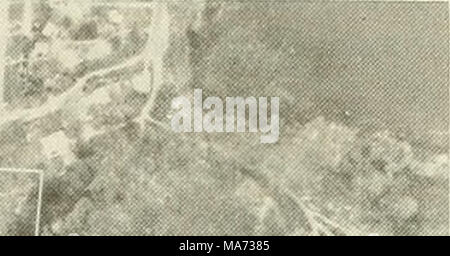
{"x":117,"y":118}
{"x":18,"y":197}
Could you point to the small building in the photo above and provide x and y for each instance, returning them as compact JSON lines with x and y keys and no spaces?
{"x":50,"y":30}
{"x":142,"y":83}
{"x":98,"y":49}
{"x":67,"y":55}
{"x":115,"y":17}
{"x":73,"y":9}
{"x":58,"y":145}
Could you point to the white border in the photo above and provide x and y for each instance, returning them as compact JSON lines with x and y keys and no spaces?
{"x":41,"y":186}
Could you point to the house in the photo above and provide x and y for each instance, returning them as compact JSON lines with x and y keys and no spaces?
{"x":73,"y":9}
{"x":51,"y":30}
{"x":58,"y":145}
{"x":69,"y":58}
{"x":98,"y":49}
{"x":435,"y":166}
{"x":66,"y":54}
{"x":142,"y":83}
{"x":115,"y":17}
{"x":89,"y":131}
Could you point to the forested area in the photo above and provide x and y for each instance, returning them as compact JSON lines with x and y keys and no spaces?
{"x":363,"y":147}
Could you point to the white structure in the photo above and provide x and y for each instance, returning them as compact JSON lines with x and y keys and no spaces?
{"x":115,"y":17}
{"x":74,"y":9}
{"x":67,"y":55}
{"x":142,"y":83}
{"x":58,"y":145}
{"x":435,"y":166}
{"x":50,"y":30}
{"x":88,"y":132}
{"x":98,"y":49}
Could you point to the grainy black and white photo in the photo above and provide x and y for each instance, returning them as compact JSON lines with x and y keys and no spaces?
{"x":224,"y":118}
